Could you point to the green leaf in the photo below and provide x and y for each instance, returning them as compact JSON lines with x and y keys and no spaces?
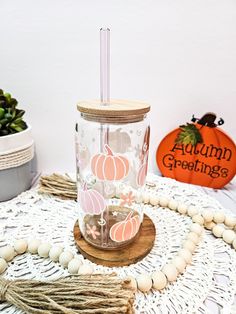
{"x":4,"y":132}
{"x":10,"y":117}
{"x":2,"y":113}
{"x":189,"y":134}
{"x":4,"y":121}
{"x":8,"y":96}
{"x":19,"y":113}
{"x":15,"y":127}
{"x":13,"y":102}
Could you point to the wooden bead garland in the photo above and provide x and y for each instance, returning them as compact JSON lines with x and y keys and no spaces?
{"x":219,"y":217}
{"x":33,"y":246}
{"x":65,"y":257}
{"x":159,"y":280}
{"x":43,"y":249}
{"x":144,"y":282}
{"x":20,"y":246}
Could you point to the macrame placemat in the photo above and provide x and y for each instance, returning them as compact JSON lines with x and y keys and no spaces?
{"x":207,"y":286}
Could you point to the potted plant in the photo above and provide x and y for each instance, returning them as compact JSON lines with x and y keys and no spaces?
{"x":16,"y":149}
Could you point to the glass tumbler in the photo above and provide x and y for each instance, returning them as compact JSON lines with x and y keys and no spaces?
{"x":112,"y":143}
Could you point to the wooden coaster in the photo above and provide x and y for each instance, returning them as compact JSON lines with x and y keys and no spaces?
{"x":130,"y":254}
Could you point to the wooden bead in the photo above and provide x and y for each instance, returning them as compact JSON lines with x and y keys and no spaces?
{"x":154,"y":200}
{"x":33,"y":246}
{"x":234,"y":244}
{"x":55,"y":252}
{"x":43,"y":249}
{"x":85,"y":269}
{"x":146,"y":198}
{"x":229,"y":236}
{"x":74,"y":265}
{"x":209,"y":225}
{"x":207,"y":215}
{"x":132,"y":283}
{"x":20,"y":246}
{"x":198,"y":219}
{"x":173,"y":204}
{"x":230,"y":221}
{"x":192,"y":211}
{"x":7,"y":252}
{"x":194,"y":237}
{"x":182,"y":209}
{"x":170,"y":271}
{"x":180,"y":263}
{"x":219,"y":217}
{"x":163,"y":201}
{"x":218,"y":231}
{"x":3,"y":265}
{"x":186,"y":255}
{"x":144,"y":282}
{"x":65,"y":257}
{"x":189,"y":245}
{"x":196,"y":228}
{"x":159,"y":280}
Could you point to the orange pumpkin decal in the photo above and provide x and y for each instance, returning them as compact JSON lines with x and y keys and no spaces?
{"x":198,"y":153}
{"x":125,"y":230}
{"x":109,"y":166}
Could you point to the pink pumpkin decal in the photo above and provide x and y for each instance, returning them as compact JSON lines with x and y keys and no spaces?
{"x":142,"y":173}
{"x":126,"y":229}
{"x":91,"y":201}
{"x":109,"y":166}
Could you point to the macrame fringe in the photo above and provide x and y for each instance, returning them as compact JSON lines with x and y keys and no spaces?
{"x":80,"y":294}
{"x":58,"y":185}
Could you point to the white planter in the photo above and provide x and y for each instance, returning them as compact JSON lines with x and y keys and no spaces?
{"x":16,"y":153}
{"x":15,"y":142}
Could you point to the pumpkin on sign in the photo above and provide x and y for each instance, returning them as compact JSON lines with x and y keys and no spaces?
{"x":198,"y":153}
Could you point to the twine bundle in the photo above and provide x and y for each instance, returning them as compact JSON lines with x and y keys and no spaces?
{"x":81,"y":294}
{"x":58,"y":185}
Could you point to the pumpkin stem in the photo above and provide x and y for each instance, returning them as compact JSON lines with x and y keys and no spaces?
{"x":129,"y":216}
{"x":208,"y":119}
{"x":108,"y":150}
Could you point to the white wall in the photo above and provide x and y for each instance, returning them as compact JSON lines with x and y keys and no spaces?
{"x":178,"y":55}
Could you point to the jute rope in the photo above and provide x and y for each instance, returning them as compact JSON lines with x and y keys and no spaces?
{"x":80,"y":294}
{"x":16,"y":158}
{"x":58,"y":185}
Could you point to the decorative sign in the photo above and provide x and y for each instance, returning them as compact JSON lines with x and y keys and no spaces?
{"x":198,"y":153}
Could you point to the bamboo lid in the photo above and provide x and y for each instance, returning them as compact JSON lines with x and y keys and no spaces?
{"x":117,"y":110}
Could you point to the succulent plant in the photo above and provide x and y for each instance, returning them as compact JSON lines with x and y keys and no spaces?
{"x":10,"y":117}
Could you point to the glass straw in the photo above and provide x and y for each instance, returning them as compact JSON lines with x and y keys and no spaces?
{"x":105,"y":65}
{"x":105,"y":99}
